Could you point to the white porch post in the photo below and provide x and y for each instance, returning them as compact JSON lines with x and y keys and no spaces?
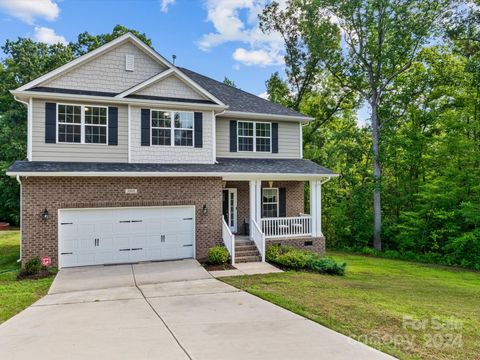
{"x":258,"y":203}
{"x":255,"y":195}
{"x":316,"y":207}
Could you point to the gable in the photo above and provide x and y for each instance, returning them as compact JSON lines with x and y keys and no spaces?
{"x":106,"y":72}
{"x":171,"y":86}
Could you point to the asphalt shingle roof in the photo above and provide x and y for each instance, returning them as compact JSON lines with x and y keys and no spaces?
{"x":239,"y":100}
{"x":223,"y":165}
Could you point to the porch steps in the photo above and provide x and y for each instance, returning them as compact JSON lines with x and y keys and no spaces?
{"x":246,"y":251}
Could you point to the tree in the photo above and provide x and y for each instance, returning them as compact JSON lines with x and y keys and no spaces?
{"x":87,"y":42}
{"x":365,"y":45}
{"x":229,"y":82}
{"x":24,"y":61}
{"x":277,"y":90}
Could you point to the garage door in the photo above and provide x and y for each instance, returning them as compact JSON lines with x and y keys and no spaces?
{"x":124,"y":235}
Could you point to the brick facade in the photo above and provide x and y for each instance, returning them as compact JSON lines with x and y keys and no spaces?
{"x":39,"y":237}
{"x":294,"y":199}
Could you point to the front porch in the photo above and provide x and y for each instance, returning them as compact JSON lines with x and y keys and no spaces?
{"x":267,"y":212}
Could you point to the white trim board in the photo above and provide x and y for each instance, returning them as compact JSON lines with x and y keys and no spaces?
{"x":98,"y":51}
{"x":225,"y":176}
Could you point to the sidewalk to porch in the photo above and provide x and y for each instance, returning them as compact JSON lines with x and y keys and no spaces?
{"x":252,"y":268}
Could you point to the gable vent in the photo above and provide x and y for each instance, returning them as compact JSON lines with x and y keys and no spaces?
{"x":129,"y":62}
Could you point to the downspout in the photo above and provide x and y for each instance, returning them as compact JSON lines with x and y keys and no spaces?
{"x":21,"y":216}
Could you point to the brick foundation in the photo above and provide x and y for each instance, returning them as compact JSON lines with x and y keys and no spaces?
{"x":317,"y":243}
{"x":40,"y":237}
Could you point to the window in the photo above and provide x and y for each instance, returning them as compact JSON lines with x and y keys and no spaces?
{"x":254,"y":136}
{"x":262,"y":137}
{"x":163,"y":128}
{"x":245,"y":136}
{"x":270,"y":202}
{"x":95,"y":125}
{"x":82,"y":124}
{"x":183,"y":128}
{"x":69,"y":124}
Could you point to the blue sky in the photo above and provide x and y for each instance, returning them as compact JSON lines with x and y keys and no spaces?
{"x":214,"y":37}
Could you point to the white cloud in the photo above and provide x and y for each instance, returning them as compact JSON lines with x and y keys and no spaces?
{"x":164,"y":5}
{"x":28,"y":10}
{"x":237,"y":21}
{"x":263,"y":95}
{"x":48,"y":36}
{"x":257,"y":57}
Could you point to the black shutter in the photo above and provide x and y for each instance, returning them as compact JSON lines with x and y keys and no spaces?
{"x":112,"y":126}
{"x":50,"y":123}
{"x":275,"y":138}
{"x":233,"y":136}
{"x":145,"y":126}
{"x":282,"y":202}
{"x":198,"y":118}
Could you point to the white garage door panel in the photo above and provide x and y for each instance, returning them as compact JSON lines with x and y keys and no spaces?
{"x":107,"y":236}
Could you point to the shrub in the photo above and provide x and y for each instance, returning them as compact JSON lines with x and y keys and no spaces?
{"x":32,"y":266}
{"x":326,"y":265}
{"x":272,"y":252}
{"x":218,"y":255}
{"x":296,"y":259}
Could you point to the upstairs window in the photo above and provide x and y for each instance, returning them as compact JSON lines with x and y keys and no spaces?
{"x":69,"y":123}
{"x":161,"y":128}
{"x":178,"y":132}
{"x":82,"y":124}
{"x":254,"y":136}
{"x":95,"y":125}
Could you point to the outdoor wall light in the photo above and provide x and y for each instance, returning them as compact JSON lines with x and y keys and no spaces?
{"x":204,"y":209}
{"x":270,"y":184}
{"x":45,"y":214}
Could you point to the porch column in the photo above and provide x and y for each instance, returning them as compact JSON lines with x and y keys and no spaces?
{"x":255,"y":194}
{"x":316,"y":207}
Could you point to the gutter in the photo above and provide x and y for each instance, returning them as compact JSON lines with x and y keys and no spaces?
{"x":21,"y":216}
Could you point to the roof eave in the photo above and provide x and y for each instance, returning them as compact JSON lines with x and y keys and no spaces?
{"x":224,"y":175}
{"x":25,"y":94}
{"x":251,"y":115}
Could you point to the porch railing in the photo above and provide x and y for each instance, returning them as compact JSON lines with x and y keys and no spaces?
{"x":228,"y":240}
{"x":287,"y":226}
{"x":258,"y":237}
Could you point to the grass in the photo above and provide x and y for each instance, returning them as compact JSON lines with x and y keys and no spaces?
{"x":409,"y":310}
{"x":16,"y":295}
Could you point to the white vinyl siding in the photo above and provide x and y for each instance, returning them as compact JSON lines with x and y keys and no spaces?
{"x":42,"y":151}
{"x":171,"y":154}
{"x":171,"y":87}
{"x":288,"y":141}
{"x":107,"y":71}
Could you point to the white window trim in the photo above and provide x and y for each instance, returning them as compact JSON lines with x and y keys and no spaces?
{"x":82,"y":125}
{"x":277,"y":202}
{"x":173,"y":128}
{"x":254,"y":136}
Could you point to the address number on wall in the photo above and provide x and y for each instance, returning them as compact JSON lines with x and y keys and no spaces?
{"x":130,"y":191}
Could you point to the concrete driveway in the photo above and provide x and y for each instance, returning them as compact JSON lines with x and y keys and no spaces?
{"x":164,"y":310}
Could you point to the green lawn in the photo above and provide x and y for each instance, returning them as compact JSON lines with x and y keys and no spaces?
{"x":16,"y":295}
{"x":379,"y":302}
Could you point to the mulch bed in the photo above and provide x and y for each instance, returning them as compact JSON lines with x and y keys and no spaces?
{"x":211,"y":267}
{"x":44,"y":273}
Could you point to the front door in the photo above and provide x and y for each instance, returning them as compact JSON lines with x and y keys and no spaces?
{"x":230,"y":208}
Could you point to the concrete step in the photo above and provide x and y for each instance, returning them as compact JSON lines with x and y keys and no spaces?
{"x":245,"y":259}
{"x":241,"y":253}
{"x":244,"y":242}
{"x":245,"y":248}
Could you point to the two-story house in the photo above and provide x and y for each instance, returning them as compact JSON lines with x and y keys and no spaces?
{"x":131,"y":158}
